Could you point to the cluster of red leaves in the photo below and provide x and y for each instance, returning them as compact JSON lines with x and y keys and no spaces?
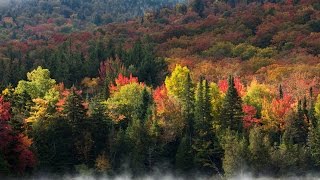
{"x":223,"y":86}
{"x":64,"y":94}
{"x":14,"y":147}
{"x":249,"y":118}
{"x":4,"y":110}
{"x":159,"y":96}
{"x":281,"y":108}
{"x":121,"y":81}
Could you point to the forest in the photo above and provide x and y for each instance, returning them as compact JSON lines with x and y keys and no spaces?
{"x":199,"y":87}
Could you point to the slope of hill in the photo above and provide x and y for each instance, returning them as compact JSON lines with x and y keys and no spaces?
{"x":253,"y":37}
{"x":84,"y":14}
{"x":213,"y":87}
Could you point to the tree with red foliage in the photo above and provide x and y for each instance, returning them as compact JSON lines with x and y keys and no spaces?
{"x":249,"y":118}
{"x":13,"y":147}
{"x":121,"y":81}
{"x":223,"y":86}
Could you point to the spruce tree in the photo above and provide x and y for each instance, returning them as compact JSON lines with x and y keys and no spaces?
{"x":138,"y":142}
{"x":198,"y":7}
{"x":74,"y":110}
{"x":280,"y":92}
{"x":184,"y":156}
{"x":311,"y":112}
{"x":205,"y":145}
{"x":144,"y":107}
{"x":188,"y":107}
{"x":231,"y":113}
{"x":297,"y":128}
{"x":314,"y":143}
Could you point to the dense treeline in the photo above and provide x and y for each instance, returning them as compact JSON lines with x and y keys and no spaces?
{"x":71,"y":65}
{"x":245,"y":96}
{"x":65,"y":16}
{"x":271,"y":41}
{"x":184,"y":125}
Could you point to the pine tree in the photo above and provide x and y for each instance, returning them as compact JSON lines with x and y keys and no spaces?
{"x":311,"y":112}
{"x":297,"y":128}
{"x":74,"y":110}
{"x":231,"y":113}
{"x":314,"y":143}
{"x":259,"y":147}
{"x":206,"y":146}
{"x":235,"y":153}
{"x":198,"y":7}
{"x":144,"y":107}
{"x":280,"y":92}
{"x":138,"y":142}
{"x":184,"y":156}
{"x":188,"y":107}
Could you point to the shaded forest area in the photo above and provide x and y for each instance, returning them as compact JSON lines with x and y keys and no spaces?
{"x":208,"y":87}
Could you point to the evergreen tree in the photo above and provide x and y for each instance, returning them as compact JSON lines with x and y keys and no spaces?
{"x":188,"y":107}
{"x":143,"y":63}
{"x":77,"y":119}
{"x":100,"y":126}
{"x":231,"y":113}
{"x":206,"y":145}
{"x":311,"y":112}
{"x":297,"y":128}
{"x":53,"y":143}
{"x":235,"y":153}
{"x":144,"y":107}
{"x":280,"y":92}
{"x":138,"y":143}
{"x":74,"y":110}
{"x":118,"y":150}
{"x":198,"y":7}
{"x":184,"y":156}
{"x":314,"y":143}
{"x":259,"y":147}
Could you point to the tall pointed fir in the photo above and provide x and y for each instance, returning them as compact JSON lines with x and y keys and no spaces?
{"x":231,"y":113}
{"x":280,"y":92}
{"x":184,"y":155}
{"x":144,"y":107}
{"x":296,"y":131}
{"x":74,"y":109}
{"x":205,"y":143}
{"x":75,"y":114}
{"x":188,"y":107}
{"x":311,"y":112}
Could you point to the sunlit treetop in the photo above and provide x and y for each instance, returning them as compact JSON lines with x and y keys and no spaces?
{"x":38,"y":85}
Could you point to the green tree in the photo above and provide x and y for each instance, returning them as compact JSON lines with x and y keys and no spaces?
{"x":206,"y":145}
{"x":290,"y":158}
{"x":124,"y":104}
{"x":184,"y":156}
{"x":53,"y":143}
{"x":314,"y":143}
{"x":143,"y":63}
{"x":198,"y":7}
{"x":180,"y":86}
{"x":74,"y":110}
{"x":235,"y":153}
{"x":38,"y":85}
{"x":296,"y":129}
{"x":231,"y":113}
{"x":138,"y":143}
{"x":259,"y":147}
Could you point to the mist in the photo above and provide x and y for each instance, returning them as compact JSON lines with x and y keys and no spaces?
{"x":4,"y":2}
{"x":165,"y":176}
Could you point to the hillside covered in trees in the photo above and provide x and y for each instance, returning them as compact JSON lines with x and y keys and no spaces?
{"x":200,"y":87}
